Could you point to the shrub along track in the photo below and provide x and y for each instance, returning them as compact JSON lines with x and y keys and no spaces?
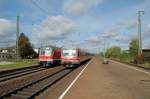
{"x":132,"y":64}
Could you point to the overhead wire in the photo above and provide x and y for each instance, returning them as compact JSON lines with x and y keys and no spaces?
{"x":38,"y":6}
{"x":7,"y":41}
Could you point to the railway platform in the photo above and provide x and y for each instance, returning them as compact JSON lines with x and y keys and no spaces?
{"x":109,"y":81}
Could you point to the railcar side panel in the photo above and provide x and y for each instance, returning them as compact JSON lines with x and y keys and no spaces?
{"x":49,"y":56}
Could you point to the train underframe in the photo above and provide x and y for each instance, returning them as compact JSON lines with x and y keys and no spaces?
{"x":49,"y":63}
{"x":70,"y":64}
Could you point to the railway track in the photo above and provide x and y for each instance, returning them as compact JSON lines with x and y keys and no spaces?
{"x":36,"y":87}
{"x":10,"y":74}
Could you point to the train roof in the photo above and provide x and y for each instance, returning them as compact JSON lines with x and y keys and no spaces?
{"x":48,"y":48}
{"x":71,"y":47}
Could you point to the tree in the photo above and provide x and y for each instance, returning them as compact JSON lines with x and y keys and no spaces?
{"x":25,"y":48}
{"x":113,"y":52}
{"x":133,"y":47}
{"x":125,"y":56}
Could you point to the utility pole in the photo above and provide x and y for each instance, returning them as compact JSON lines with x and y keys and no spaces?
{"x":41,"y":44}
{"x":17,"y":39}
{"x":104,"y":49}
{"x":119,"y":41}
{"x":139,"y":32}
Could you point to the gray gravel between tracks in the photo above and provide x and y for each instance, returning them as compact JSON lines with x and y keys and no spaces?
{"x":19,"y":82}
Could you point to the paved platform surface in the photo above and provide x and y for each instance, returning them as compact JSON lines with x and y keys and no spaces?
{"x":112,"y":81}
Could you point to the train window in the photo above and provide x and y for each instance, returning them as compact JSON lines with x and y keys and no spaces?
{"x":65,"y":54}
{"x":48,"y":52}
{"x":74,"y":54}
{"x":69,"y":54}
{"x":42,"y":52}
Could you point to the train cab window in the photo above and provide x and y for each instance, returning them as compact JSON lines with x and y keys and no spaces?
{"x":42,"y":52}
{"x":73,"y":55}
{"x":65,"y":54}
{"x":69,"y":54}
{"x":48,"y":52}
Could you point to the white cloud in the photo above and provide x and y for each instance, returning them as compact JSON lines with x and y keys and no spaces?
{"x":94,"y":39}
{"x":146,"y":33}
{"x":113,"y":33}
{"x":148,"y":25}
{"x":122,"y":38}
{"x":7,"y":28}
{"x":109,"y":34}
{"x":55,"y":27}
{"x":76,"y":7}
{"x":129,"y":24}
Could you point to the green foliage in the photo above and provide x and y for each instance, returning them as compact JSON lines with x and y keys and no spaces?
{"x":18,"y":64}
{"x":125,"y":56}
{"x":25,"y":48}
{"x":113,"y":52}
{"x":133,"y":47}
{"x":101,"y":54}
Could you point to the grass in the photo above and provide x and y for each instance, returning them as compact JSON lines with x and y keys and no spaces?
{"x":147,"y":65}
{"x":128,"y":60}
{"x":16,"y":64}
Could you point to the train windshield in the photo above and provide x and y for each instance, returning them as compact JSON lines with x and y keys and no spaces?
{"x":69,"y":53}
{"x":45,"y":52}
{"x":48,"y":52}
{"x":42,"y":52}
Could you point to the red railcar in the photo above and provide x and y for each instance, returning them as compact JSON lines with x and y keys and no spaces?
{"x":70,"y":57}
{"x":49,"y":56}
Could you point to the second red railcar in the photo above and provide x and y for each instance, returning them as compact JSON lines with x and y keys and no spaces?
{"x":70,"y":57}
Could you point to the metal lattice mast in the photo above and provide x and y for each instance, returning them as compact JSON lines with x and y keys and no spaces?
{"x":139,"y":32}
{"x":17,"y":38}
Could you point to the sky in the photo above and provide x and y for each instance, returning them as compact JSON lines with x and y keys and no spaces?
{"x":87,"y":24}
